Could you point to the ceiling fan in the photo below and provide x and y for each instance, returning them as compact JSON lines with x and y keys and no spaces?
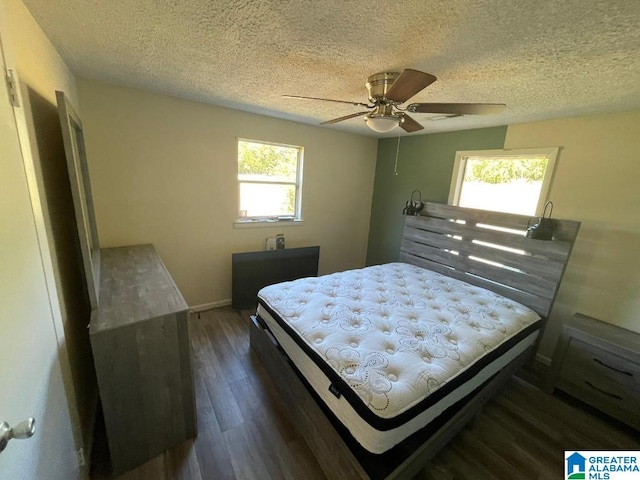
{"x":389,"y":90}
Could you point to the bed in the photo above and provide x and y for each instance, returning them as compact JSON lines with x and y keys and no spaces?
{"x":382,"y":366}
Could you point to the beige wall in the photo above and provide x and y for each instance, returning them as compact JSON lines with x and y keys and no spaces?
{"x":40,"y":65}
{"x":164,"y":171}
{"x":596,"y":182}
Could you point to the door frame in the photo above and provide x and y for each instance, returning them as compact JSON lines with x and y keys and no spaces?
{"x":43,"y":231}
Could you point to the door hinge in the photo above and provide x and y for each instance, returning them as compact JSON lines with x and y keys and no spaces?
{"x":12,"y":85}
{"x":81,"y":460}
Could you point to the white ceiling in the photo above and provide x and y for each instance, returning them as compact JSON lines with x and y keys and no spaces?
{"x":543,"y":58}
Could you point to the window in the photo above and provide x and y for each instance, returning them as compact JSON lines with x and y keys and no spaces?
{"x":270,"y":181}
{"x":512,"y":181}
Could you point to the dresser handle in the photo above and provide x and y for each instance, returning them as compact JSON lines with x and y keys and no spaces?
{"x":597,"y":360}
{"x":613,"y":395}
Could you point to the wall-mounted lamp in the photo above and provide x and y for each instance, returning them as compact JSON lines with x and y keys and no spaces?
{"x":543,"y":230}
{"x":413,"y":206}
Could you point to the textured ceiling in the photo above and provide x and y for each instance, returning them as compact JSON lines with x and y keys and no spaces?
{"x":543,"y":58}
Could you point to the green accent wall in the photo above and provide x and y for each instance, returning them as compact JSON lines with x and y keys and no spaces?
{"x":425,"y":163}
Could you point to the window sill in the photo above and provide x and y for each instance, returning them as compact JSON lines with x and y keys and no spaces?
{"x":267,"y":223}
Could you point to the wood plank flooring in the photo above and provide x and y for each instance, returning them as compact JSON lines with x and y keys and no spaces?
{"x":244,"y":431}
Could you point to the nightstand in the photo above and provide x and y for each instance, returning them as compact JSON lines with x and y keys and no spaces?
{"x":599,"y":364}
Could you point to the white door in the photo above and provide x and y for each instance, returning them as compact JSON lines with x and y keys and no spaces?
{"x":30,"y":376}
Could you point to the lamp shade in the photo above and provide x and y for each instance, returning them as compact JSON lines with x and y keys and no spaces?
{"x":381,"y":123}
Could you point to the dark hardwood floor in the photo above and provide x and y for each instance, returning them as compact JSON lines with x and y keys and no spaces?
{"x":244,"y":431}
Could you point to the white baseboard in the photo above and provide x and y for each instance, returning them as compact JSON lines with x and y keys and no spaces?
{"x":211,"y":305}
{"x":543,"y":359}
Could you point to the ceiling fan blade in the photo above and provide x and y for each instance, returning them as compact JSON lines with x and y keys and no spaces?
{"x":408,"y":84}
{"x":355,"y":104}
{"x":457,"y":108}
{"x":346,"y":117}
{"x":408,"y":124}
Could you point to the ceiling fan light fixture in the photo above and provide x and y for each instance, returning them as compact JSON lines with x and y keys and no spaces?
{"x":382,"y":123}
{"x":388,"y":90}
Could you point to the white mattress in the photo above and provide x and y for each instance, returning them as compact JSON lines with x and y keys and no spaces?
{"x":388,"y":348}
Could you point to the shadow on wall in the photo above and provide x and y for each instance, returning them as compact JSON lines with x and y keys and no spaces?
{"x":602,"y":278}
{"x":67,"y":259}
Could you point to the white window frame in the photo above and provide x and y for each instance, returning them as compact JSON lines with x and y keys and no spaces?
{"x":461,"y":163}
{"x":266,"y":221}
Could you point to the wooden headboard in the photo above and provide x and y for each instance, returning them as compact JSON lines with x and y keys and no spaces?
{"x":490,"y":250}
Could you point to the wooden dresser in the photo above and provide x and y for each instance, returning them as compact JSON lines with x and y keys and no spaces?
{"x":140,"y":341}
{"x":599,"y":364}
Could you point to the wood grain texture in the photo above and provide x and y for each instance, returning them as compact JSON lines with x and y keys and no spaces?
{"x":136,"y":285}
{"x":600,"y":364}
{"x":520,"y":429}
{"x":564,"y":230}
{"x":490,"y":250}
{"x":142,"y":357}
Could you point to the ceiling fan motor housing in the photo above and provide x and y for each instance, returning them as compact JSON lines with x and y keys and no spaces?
{"x":378,"y":85}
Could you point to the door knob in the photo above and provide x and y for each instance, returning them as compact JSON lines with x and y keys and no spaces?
{"x":23,"y":430}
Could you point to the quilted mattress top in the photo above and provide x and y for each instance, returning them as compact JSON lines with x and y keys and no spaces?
{"x":394,"y":334}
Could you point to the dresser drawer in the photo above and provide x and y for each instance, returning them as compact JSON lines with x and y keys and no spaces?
{"x":599,"y":364}
{"x":598,"y":390}
{"x":591,"y":362}
{"x":619,"y":403}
